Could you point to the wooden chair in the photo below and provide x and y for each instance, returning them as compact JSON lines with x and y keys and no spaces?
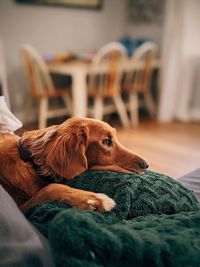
{"x":42,"y":88}
{"x":104,"y":82}
{"x":138,"y":81}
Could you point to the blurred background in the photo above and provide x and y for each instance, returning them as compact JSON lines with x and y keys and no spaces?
{"x":134,"y":64}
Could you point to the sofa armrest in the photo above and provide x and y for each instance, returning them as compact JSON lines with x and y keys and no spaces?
{"x":21,"y":244}
{"x":192,"y":182}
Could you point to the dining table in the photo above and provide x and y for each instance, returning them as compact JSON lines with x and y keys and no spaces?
{"x":79,"y":69}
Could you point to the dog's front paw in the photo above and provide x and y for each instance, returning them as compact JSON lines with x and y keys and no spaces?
{"x":101,"y":203}
{"x":98,"y":202}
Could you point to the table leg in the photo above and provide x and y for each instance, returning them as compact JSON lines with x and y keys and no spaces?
{"x":79,"y":94}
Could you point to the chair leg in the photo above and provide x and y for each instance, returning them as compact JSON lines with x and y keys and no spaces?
{"x":150,"y":104}
{"x":98,"y":108}
{"x":134,"y":108}
{"x":68,"y":103}
{"x":43,"y":109}
{"x":28,"y":109}
{"x":121,"y":110}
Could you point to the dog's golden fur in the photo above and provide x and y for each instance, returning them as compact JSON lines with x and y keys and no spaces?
{"x":65,"y":151}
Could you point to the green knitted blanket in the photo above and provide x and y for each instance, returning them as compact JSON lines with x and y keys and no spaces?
{"x":156,"y":222}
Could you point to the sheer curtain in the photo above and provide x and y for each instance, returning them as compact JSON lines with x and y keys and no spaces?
{"x":3,"y":78}
{"x":180,"y":85}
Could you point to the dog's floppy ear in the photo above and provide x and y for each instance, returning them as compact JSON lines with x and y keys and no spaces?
{"x":66,"y":153}
{"x":37,"y":139}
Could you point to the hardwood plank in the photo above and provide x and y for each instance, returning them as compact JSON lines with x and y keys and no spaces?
{"x":172,"y":149}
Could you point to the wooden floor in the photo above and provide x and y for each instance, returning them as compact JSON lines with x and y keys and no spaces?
{"x":172,"y":149}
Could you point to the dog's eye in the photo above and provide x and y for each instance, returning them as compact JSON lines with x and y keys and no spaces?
{"x":107,"y":142}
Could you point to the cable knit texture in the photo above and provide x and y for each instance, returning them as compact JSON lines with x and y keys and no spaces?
{"x":156,"y":222}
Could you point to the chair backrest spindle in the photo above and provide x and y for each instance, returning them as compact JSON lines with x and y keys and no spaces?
{"x":40,"y":81}
{"x":139,"y":79}
{"x":105,"y":76}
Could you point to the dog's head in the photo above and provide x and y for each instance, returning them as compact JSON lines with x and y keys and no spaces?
{"x":77,"y":145}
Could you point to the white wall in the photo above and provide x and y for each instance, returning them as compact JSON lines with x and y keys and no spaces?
{"x":153,"y":31}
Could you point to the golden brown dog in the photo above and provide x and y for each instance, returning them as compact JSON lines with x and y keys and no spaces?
{"x":32,"y":166}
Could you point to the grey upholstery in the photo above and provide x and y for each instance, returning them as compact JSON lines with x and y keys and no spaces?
{"x":20,"y":243}
{"x":192,"y":181}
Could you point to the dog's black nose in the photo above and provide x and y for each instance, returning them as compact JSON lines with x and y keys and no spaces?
{"x":144,"y":165}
